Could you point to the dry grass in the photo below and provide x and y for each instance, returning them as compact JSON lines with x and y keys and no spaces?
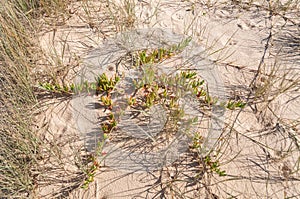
{"x":123,"y":14}
{"x":20,"y":145}
{"x":22,"y":149}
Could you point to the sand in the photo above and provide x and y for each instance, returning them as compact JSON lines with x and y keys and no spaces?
{"x":259,"y":146}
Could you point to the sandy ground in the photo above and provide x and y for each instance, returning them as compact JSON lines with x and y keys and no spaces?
{"x":260,"y":152}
